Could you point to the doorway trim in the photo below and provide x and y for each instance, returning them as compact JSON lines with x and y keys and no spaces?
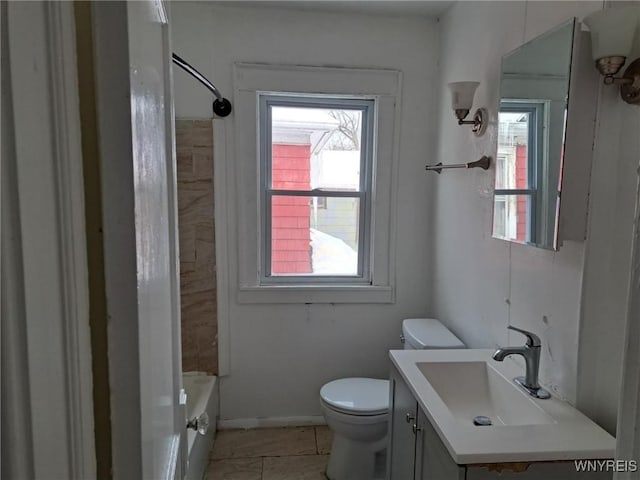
{"x":628,"y":430}
{"x":50,"y":198}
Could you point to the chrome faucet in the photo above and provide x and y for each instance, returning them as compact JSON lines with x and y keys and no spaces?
{"x":531,"y":353}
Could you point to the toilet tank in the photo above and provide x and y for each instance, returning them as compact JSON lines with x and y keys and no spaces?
{"x":428,"y":334}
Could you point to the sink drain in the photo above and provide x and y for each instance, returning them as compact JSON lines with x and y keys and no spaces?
{"x":481,"y":421}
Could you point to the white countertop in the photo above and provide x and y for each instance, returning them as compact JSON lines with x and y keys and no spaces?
{"x":569,"y":436}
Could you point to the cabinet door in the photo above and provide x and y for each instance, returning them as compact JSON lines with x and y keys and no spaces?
{"x":433,"y":461}
{"x":401,"y":451}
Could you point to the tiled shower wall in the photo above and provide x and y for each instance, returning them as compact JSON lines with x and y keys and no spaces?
{"x":194,"y":149}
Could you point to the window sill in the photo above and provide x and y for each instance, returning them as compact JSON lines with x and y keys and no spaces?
{"x":316,"y":294}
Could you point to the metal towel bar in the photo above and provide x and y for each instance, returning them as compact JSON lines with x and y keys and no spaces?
{"x":483,"y":163}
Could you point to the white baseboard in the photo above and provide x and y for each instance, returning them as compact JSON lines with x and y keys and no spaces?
{"x":271,"y":422}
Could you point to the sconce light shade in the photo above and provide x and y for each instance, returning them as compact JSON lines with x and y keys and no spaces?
{"x":612,"y":31}
{"x":462,"y":95}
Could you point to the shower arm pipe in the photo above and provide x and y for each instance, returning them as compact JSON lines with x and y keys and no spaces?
{"x":221,"y":106}
{"x":483,"y":163}
{"x":197,"y":75}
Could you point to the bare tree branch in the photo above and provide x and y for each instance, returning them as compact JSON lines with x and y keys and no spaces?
{"x":348,"y":128}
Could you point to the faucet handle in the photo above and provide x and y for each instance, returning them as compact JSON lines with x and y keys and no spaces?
{"x":532,"y":339}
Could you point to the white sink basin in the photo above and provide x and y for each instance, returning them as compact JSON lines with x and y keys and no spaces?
{"x":470,"y":389}
{"x":454,"y":386}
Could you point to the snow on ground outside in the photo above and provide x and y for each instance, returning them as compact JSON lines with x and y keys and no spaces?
{"x":331,"y":255}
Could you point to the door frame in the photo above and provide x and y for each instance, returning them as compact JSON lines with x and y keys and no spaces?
{"x":113,"y":92}
{"x":53,"y":308}
{"x":172,"y":180}
{"x":628,"y":429}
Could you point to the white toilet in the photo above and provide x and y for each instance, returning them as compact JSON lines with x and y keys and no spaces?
{"x":357,"y":409}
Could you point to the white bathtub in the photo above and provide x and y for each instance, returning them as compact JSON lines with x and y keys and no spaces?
{"x":202,"y":396}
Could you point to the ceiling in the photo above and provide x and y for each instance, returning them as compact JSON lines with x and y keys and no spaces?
{"x":376,"y":7}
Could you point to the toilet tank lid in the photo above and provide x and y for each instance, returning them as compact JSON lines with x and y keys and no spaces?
{"x":429,"y":333}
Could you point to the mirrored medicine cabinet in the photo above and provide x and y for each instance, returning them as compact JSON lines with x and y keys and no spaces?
{"x":544,"y":139}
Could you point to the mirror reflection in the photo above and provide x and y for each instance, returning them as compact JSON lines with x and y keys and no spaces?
{"x":532,"y":118}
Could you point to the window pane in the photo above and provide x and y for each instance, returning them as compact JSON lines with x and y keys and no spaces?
{"x":315,"y":148}
{"x":512,"y":217}
{"x":314,"y":235}
{"x":512,"y":167}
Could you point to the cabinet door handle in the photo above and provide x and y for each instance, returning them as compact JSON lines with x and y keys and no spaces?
{"x":415,"y":428}
{"x":409,"y":418}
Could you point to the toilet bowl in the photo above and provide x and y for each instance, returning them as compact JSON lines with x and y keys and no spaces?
{"x":357,"y":409}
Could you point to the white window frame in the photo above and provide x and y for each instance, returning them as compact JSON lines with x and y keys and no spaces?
{"x":365,"y":105}
{"x":536,"y":162}
{"x":239,"y":190}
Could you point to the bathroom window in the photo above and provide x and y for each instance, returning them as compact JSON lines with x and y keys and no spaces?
{"x":310,"y":184}
{"x":519,"y":164}
{"x":316,"y":164}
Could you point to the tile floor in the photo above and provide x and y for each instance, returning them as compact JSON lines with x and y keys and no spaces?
{"x":296,"y":453}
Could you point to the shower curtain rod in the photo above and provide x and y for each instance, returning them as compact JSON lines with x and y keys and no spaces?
{"x":221,"y":106}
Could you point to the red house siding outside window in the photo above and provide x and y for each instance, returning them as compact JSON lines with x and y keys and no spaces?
{"x":290,"y":232}
{"x":522,"y":200}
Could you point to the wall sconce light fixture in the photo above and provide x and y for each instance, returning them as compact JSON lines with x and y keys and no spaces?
{"x":612,"y":33}
{"x":462,"y":100}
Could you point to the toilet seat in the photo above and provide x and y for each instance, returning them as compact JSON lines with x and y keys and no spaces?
{"x":357,"y":396}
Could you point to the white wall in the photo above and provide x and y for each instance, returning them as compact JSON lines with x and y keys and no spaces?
{"x":280,"y":355}
{"x":481,"y":285}
{"x":614,"y":187}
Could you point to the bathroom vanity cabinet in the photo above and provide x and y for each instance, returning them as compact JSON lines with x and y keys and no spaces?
{"x":416,"y":452}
